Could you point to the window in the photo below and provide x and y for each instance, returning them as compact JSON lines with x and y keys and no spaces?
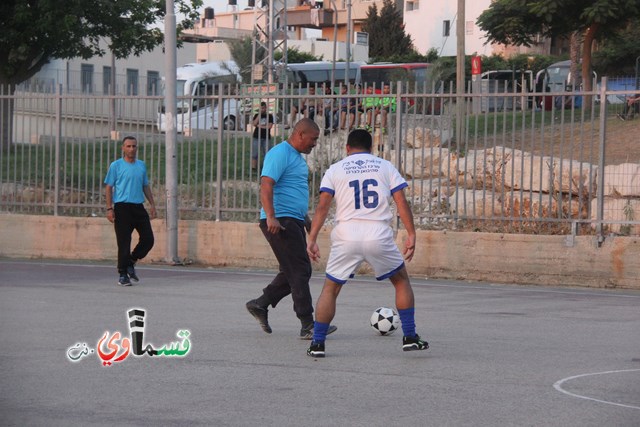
{"x":153,"y":83}
{"x":413,"y":5}
{"x":106,"y":80}
{"x":132,"y":81}
{"x":86,"y":78}
{"x":446,"y":28}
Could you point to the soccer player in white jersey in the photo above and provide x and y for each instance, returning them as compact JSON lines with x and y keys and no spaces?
{"x":362,"y":185}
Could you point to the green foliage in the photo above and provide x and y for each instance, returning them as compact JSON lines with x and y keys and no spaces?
{"x":411,"y":56}
{"x":35,"y":31}
{"x":432,"y":55}
{"x":519,"y":21}
{"x":616,"y":55}
{"x":386,"y":33}
{"x":294,"y":56}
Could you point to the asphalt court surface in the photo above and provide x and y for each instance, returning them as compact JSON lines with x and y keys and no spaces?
{"x":501,"y":355}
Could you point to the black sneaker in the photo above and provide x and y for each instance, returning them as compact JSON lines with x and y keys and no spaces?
{"x":306,"y":333}
{"x":260,"y":313}
{"x":414,"y":343}
{"x":316,"y":349}
{"x":131,"y":271}
{"x":124,"y":280}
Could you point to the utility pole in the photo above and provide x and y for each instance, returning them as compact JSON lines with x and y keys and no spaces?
{"x":348,"y":46}
{"x":460,"y":77}
{"x":171,"y":168}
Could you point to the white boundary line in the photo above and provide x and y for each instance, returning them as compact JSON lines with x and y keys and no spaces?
{"x":558,"y":386}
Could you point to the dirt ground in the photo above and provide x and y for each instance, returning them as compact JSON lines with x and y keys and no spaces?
{"x":582,"y":142}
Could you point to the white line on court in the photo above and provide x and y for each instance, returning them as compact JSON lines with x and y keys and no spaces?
{"x":558,"y":386}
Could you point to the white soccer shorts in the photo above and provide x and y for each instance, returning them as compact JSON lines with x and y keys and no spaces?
{"x":353,"y":242}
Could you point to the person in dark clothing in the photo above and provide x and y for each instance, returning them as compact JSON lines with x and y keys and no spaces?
{"x":284,"y":194}
{"x":127,"y":185}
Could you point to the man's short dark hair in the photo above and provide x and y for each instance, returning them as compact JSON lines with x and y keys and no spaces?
{"x":129,"y":137}
{"x":360,"y":138}
{"x":263,"y":104}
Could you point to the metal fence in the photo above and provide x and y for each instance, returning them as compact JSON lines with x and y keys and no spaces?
{"x":551,"y":163}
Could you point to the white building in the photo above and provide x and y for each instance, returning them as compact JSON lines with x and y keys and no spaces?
{"x":135,"y":75}
{"x":432,"y":24}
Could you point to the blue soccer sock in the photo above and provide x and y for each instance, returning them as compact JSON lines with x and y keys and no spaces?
{"x":407,"y":318}
{"x":320,"y":332}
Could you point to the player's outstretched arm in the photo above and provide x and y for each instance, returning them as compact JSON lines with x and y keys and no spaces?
{"x":406,"y":216}
{"x":322,"y":210}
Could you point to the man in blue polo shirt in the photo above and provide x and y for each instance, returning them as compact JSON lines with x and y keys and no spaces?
{"x":127,"y":185}
{"x":284,"y":195}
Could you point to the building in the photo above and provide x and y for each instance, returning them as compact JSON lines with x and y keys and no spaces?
{"x":136,"y":75}
{"x":433,"y":24}
{"x":216,"y":28}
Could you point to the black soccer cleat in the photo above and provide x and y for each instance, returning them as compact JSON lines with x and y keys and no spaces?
{"x":414,"y":343}
{"x":316,"y":349}
{"x":260,"y":313}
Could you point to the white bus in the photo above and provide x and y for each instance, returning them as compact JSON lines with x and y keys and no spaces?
{"x":197,"y":88}
{"x":318,"y":72}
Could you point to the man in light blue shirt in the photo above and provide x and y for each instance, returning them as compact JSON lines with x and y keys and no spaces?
{"x":284,"y":194}
{"x":127,"y":185}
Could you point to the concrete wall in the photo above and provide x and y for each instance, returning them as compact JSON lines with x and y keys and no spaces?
{"x":509,"y":258}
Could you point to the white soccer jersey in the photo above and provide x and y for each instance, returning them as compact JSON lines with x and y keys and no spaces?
{"x":362,"y":185}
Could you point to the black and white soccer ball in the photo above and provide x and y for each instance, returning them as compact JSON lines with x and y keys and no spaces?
{"x":385,"y":320}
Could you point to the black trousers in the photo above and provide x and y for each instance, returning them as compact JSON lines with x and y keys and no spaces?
{"x":290,"y":248}
{"x":129,"y":217}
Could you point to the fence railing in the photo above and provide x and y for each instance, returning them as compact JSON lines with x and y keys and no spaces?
{"x":553,"y":163}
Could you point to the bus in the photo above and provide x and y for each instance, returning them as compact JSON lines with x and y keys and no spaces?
{"x":197,"y":87}
{"x":318,"y":72}
{"x":385,"y":72}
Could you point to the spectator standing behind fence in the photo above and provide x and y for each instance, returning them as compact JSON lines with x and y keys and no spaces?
{"x":631,"y":107}
{"x":127,"y":185}
{"x":362,"y":185}
{"x":262,"y":124}
{"x":284,"y":195}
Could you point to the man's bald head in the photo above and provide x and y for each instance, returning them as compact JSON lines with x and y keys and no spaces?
{"x":305,"y":135}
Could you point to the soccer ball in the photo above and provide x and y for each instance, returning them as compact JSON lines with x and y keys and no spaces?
{"x":385,"y":320}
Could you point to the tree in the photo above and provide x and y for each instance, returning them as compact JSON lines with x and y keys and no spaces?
{"x":616,"y":56}
{"x":36,"y":31}
{"x":242,"y":53}
{"x":519,"y":21}
{"x":294,"y":56}
{"x":386,"y":32}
